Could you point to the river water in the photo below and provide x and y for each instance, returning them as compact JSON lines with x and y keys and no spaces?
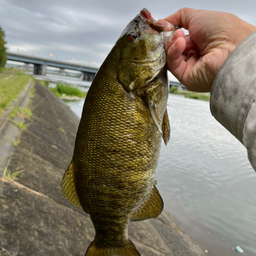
{"x":205,"y":179}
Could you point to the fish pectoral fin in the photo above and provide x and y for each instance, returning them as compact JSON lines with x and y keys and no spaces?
{"x":126,"y":250}
{"x":151,"y":207}
{"x":68,"y":187}
{"x":156,"y":115}
{"x":166,"y":129}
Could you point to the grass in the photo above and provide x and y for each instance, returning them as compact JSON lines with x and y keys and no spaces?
{"x":11,"y":88}
{"x":23,"y":113}
{"x":14,"y":112}
{"x":21,"y":125}
{"x":27,"y":112}
{"x":16,"y":143}
{"x":4,"y":75}
{"x":62,"y":89}
{"x":43,"y":82}
{"x":189,"y":94}
{"x":32,"y":92}
{"x":8,"y":175}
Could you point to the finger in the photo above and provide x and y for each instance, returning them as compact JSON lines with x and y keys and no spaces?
{"x":190,"y":45}
{"x":192,"y":54}
{"x":178,"y":33}
{"x":162,"y":25}
{"x":175,"y":59}
{"x":181,"y":17}
{"x":188,"y":78}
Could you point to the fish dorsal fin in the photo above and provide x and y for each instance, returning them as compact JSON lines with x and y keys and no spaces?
{"x":166,"y":129}
{"x":128,"y":249}
{"x":68,"y":187}
{"x":151,"y":207}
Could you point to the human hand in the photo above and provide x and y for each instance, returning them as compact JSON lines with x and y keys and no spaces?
{"x":196,"y":58}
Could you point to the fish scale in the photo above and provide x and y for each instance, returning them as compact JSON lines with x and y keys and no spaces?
{"x":112,"y":173}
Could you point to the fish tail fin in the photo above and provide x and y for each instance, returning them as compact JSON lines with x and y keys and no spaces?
{"x":127,"y":250}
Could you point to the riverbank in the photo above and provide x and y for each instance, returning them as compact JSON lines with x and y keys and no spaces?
{"x":189,"y":94}
{"x":12,"y":82}
{"x":34,"y":217}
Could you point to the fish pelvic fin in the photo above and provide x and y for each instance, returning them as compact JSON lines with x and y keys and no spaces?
{"x":127,"y":250}
{"x":151,"y":207}
{"x":68,"y":187}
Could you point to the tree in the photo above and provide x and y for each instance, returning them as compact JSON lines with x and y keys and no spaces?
{"x":3,"y":54}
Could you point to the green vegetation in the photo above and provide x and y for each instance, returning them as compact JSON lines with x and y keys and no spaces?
{"x":43,"y":82}
{"x":26,"y":112}
{"x":32,"y":94}
{"x":3,"y":54}
{"x":11,"y":88}
{"x":16,"y":143}
{"x":3,"y":74}
{"x":62,"y":89}
{"x":14,"y":112}
{"x":173,"y":90}
{"x":192,"y":95}
{"x":9,"y":175}
{"x":21,"y":125}
{"x":23,"y":113}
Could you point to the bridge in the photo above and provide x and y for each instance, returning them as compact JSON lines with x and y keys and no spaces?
{"x":40,"y":65}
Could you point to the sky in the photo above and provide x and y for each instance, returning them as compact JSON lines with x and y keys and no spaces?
{"x":85,"y":31}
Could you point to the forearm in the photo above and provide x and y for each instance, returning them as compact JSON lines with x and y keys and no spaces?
{"x":233,"y":95}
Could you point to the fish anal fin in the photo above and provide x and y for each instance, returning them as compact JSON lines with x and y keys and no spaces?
{"x":68,"y":187}
{"x":151,"y":207}
{"x":166,"y":129}
{"x":126,"y":250}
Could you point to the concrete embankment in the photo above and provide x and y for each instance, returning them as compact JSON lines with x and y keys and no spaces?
{"x":34,"y":217}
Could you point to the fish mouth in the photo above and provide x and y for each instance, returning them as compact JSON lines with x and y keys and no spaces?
{"x":156,"y":25}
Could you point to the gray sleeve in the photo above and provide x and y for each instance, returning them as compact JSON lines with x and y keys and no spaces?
{"x":233,"y":95}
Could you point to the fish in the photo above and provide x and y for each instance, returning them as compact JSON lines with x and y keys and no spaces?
{"x":124,"y":119}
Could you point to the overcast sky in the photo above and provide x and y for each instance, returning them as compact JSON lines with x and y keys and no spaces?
{"x":87,"y":30}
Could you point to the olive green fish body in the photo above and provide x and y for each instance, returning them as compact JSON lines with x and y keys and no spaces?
{"x":111,"y":175}
{"x":116,"y":154}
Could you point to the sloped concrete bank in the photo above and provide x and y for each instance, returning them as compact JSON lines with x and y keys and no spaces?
{"x":34,"y":217}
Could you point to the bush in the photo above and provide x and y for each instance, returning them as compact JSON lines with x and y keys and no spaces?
{"x":173,"y":89}
{"x":68,"y":90}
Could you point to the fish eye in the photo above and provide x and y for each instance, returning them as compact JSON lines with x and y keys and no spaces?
{"x":133,"y":37}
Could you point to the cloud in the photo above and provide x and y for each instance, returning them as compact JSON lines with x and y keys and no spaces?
{"x":88,"y":29}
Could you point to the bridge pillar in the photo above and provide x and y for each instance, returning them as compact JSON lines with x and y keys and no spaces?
{"x":61,"y":71}
{"x":40,"y":69}
{"x":87,"y":76}
{"x":27,"y":66}
{"x":83,"y":76}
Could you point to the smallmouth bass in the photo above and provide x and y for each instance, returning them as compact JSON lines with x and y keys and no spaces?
{"x":112,"y":173}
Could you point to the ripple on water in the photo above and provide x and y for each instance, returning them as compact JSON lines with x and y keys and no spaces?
{"x":206,"y":168}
